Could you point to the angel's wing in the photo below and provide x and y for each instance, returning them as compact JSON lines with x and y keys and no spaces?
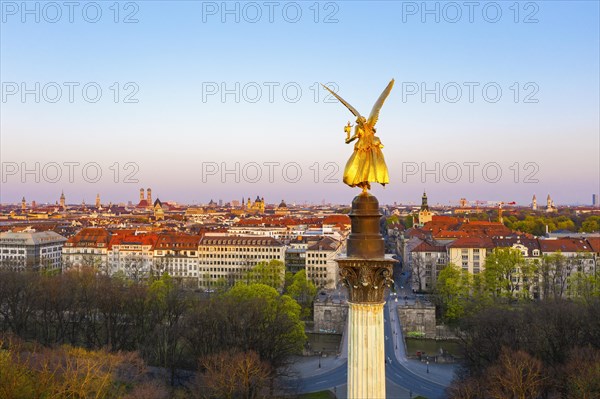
{"x":379,"y":103}
{"x":350,"y":107}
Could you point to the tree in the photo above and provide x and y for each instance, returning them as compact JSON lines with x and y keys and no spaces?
{"x":417,"y":270}
{"x":135,"y":267}
{"x":167,"y":307}
{"x":303,"y":291}
{"x":590,"y":225}
{"x":251,"y":317}
{"x":289,"y":279}
{"x":232,"y":375}
{"x":549,"y":332}
{"x":64,"y":372}
{"x":452,"y":290}
{"x":392,"y":220}
{"x":582,"y":374}
{"x":583,"y":286}
{"x":504,"y":270}
{"x":18,"y":294}
{"x":517,"y":375}
{"x":271,"y":274}
{"x":554,"y":271}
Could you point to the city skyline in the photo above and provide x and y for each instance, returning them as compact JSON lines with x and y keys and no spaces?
{"x":453,"y":202}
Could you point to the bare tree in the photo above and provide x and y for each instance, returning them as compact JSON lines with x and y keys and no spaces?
{"x":418,"y":267}
{"x":516,"y":376}
{"x":235,"y":375}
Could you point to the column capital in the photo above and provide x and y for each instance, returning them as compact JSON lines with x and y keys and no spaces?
{"x":366,"y":279}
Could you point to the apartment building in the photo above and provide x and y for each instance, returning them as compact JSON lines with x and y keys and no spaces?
{"x":227,"y":259}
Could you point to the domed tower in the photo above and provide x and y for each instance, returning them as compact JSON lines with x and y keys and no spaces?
{"x":23,"y":204}
{"x":98,"y":200}
{"x":141,"y":194}
{"x":62,"y":200}
{"x":282,"y":209}
{"x":149,"y":199}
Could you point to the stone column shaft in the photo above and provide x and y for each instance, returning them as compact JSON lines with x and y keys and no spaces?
{"x":366,"y":358}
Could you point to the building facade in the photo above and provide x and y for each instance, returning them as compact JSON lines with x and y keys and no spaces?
{"x":31,"y":250}
{"x":321,"y":267}
{"x":177,"y":255}
{"x":87,"y":248}
{"x":427,"y":260}
{"x":228,"y":259}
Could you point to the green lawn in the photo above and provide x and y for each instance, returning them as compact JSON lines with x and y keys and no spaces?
{"x":318,"y":395}
{"x":330,"y":395}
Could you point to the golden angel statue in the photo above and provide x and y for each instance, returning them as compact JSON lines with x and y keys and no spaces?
{"x":366,"y":165}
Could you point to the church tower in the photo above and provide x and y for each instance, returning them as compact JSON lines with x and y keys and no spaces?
{"x":62,"y":200}
{"x":534,"y":203}
{"x":141,"y":194}
{"x":159,"y":212}
{"x":149,"y":197}
{"x":424,"y":214}
{"x":98,"y":200}
{"x":23,"y":204}
{"x":550,"y":204}
{"x":424,"y":206}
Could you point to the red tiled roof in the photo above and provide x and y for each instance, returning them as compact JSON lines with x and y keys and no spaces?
{"x":90,"y":237}
{"x":594,"y":243}
{"x":324,"y":244}
{"x":258,"y":241}
{"x":472,"y":242}
{"x":177,"y":241}
{"x":337,"y":219}
{"x":143,"y":204}
{"x":429,"y":247}
{"x":566,"y":244}
{"x":416,"y":232}
{"x":444,"y":219}
{"x":130,"y":239}
{"x":450,"y":234}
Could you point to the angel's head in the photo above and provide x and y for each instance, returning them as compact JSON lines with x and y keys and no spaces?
{"x":361,"y":120}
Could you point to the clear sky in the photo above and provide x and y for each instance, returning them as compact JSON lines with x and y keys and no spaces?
{"x":190,"y":89}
